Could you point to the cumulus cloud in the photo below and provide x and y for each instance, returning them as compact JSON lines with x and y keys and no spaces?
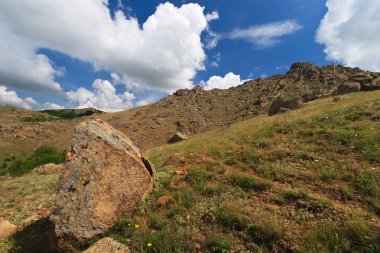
{"x":163,"y":53}
{"x":350,"y":32}
{"x":22,"y":67}
{"x":266,"y":35}
{"x":103,"y":97}
{"x":218,"y":82}
{"x":11,"y":98}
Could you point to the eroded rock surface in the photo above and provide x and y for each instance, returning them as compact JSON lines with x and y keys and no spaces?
{"x":104,"y":177}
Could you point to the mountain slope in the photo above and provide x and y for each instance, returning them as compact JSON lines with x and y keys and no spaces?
{"x":305,"y":181}
{"x":190,"y":111}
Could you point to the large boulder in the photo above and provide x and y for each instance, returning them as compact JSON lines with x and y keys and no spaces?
{"x":105,"y":176}
{"x":107,"y":245}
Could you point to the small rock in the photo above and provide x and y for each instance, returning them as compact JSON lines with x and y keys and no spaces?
{"x":177,"y":137}
{"x":107,"y":245}
{"x":163,"y":200}
{"x":7,"y":229}
{"x":271,"y":207}
{"x":177,"y":161}
{"x":48,"y":169}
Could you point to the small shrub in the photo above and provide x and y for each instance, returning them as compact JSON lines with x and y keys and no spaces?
{"x":295,"y":195}
{"x":249,"y":182}
{"x":217,"y":244}
{"x":277,"y":155}
{"x":329,"y":174}
{"x":213,"y":188}
{"x":42,"y":155}
{"x":231,"y":218}
{"x":249,"y":157}
{"x":198,"y":177}
{"x":263,"y":142}
{"x":264,"y":235}
{"x":157,"y":222}
{"x":367,"y":183}
{"x":347,"y":191}
{"x":230,"y":162}
{"x":185,"y":197}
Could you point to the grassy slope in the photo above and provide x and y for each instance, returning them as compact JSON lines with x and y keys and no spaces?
{"x":306,"y":181}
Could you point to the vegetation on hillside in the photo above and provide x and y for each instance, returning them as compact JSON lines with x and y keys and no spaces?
{"x":307,"y":181}
{"x":304,"y":181}
{"x":72,"y":113}
{"x":19,"y":165}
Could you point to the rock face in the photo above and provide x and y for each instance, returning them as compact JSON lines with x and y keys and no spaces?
{"x":280,"y":106}
{"x":177,"y":137}
{"x":105,"y":176}
{"x":107,"y":245}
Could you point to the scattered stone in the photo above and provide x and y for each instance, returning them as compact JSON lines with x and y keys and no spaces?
{"x":177,"y":161}
{"x":48,"y":169}
{"x":107,"y":245}
{"x":272,"y":207}
{"x":7,"y":229}
{"x":163,"y":200}
{"x":279,"y":105}
{"x":177,"y":137}
{"x":105,"y":176}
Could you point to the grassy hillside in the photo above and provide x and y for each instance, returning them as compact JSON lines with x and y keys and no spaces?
{"x":307,"y":181}
{"x":304,"y":181}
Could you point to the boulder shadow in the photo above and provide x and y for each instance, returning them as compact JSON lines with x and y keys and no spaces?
{"x":38,"y":237}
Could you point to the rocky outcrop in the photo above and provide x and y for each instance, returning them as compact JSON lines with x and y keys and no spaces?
{"x":177,"y":137}
{"x":280,"y":105}
{"x":107,"y":245}
{"x":105,"y":176}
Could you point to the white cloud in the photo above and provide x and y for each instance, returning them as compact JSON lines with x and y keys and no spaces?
{"x":146,"y":101}
{"x":51,"y":106}
{"x":164,"y":53}
{"x":218,"y":82}
{"x":266,"y":35}
{"x":350,"y":32}
{"x":216,"y":60}
{"x":11,"y":98}
{"x":21,"y":67}
{"x":104,"y":97}
{"x":212,"y":16}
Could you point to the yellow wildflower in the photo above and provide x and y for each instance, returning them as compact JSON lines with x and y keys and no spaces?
{"x":149,"y":244}
{"x":137,"y":226}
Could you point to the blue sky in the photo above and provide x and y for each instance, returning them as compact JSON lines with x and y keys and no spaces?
{"x":106,"y":55}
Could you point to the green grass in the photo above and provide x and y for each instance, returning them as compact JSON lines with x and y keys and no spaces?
{"x":20,"y":165}
{"x":249,"y":182}
{"x":217,"y":244}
